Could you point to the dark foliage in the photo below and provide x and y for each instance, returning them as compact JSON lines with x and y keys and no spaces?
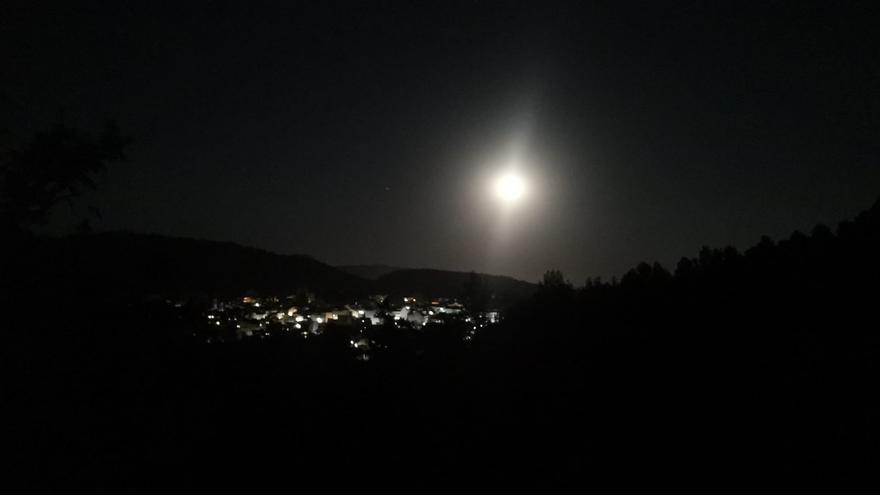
{"x":55,"y":167}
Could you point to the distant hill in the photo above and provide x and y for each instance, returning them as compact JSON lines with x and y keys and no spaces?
{"x":428,"y":282}
{"x":136,"y":264}
{"x":108,"y":267}
{"x":504,"y":290}
{"x":370,"y":272}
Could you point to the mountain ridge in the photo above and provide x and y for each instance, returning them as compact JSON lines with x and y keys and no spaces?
{"x":128,"y":264}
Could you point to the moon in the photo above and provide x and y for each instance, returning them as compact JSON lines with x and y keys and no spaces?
{"x":509,"y":188}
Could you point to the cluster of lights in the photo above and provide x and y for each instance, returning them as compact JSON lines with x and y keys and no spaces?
{"x":419,"y":315}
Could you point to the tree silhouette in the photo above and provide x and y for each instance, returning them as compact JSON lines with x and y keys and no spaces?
{"x":554,"y":279}
{"x":476,"y":292}
{"x":55,"y":167}
{"x":646,"y":276}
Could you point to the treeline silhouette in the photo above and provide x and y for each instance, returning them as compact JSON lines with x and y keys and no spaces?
{"x":760,"y":363}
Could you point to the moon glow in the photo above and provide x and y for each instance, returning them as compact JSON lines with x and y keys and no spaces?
{"x":509,"y":188}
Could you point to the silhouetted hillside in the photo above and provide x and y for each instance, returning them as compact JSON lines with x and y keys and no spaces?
{"x":370,"y":272}
{"x":142,"y":265}
{"x":502,"y":291}
{"x":108,"y":266}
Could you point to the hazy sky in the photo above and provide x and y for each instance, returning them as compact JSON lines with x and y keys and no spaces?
{"x":368,"y":134}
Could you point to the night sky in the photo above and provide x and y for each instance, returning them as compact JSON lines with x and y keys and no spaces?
{"x":366,"y":134}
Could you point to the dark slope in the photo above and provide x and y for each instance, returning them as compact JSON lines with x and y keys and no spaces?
{"x":370,"y":272}
{"x":141,"y":265}
{"x":110,"y":266}
{"x":503,"y":291}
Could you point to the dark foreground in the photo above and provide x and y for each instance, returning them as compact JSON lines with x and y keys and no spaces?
{"x":131,"y":413}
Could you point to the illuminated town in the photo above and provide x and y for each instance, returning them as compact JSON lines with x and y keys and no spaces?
{"x":303,"y":317}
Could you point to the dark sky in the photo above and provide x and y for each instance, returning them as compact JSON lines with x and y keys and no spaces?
{"x":363,"y":134}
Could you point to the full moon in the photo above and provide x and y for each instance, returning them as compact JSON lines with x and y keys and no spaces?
{"x":509,"y":187}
